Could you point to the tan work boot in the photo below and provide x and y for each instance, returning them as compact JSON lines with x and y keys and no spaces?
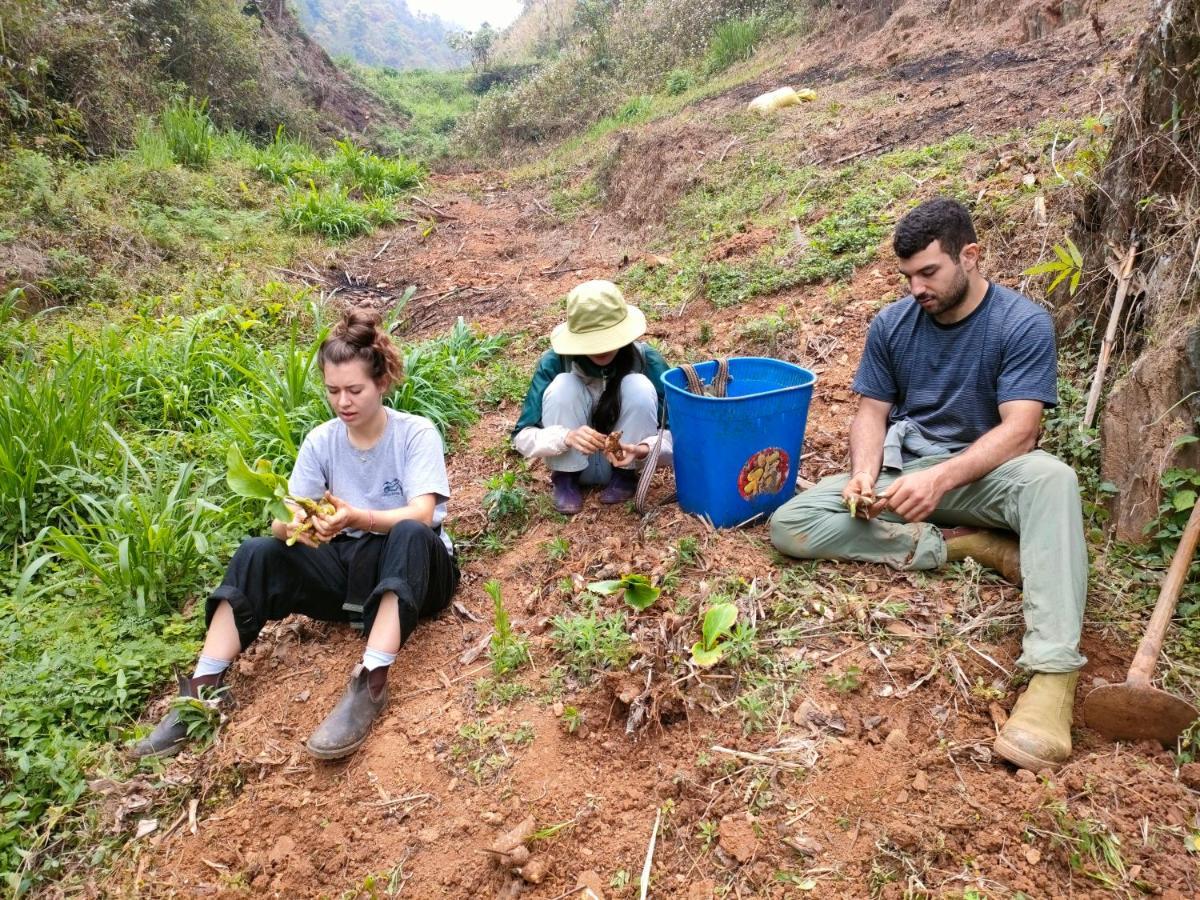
{"x":996,"y":550}
{"x":1038,"y":733}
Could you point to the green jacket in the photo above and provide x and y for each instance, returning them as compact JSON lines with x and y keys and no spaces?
{"x":648,"y":362}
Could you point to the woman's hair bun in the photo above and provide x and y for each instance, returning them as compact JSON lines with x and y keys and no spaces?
{"x":359,"y":334}
{"x":359,"y":326}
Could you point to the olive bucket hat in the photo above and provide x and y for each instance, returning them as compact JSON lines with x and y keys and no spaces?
{"x":598,"y":321}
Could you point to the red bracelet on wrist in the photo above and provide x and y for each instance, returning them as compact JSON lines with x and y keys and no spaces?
{"x":370,"y":521}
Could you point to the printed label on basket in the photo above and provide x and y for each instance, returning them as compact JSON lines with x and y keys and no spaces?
{"x":764,"y":473}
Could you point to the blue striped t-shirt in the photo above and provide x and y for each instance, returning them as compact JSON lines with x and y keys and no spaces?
{"x":951,"y":379}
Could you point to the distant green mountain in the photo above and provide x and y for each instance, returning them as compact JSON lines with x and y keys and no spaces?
{"x":379,"y":33}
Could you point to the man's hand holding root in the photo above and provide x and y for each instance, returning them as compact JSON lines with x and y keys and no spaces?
{"x":859,"y":496}
{"x":915,"y":496}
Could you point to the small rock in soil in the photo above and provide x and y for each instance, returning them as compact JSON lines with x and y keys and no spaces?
{"x":701,"y":890}
{"x":1026,"y":776}
{"x":897,"y":739}
{"x":591,"y":886}
{"x":737,"y":837}
{"x":803,"y":844}
{"x":920,"y":782}
{"x":535,"y":870}
{"x":904,"y":837}
{"x":1189,"y":774}
{"x":1033,"y":855}
{"x":283,"y":846}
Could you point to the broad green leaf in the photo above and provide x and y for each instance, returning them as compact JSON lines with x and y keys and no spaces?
{"x":1185,"y":440}
{"x":717,"y":622}
{"x":639,"y":592}
{"x":604,"y":587}
{"x":1044,"y":268}
{"x":256,"y":483}
{"x":707,"y":658}
{"x":1076,"y":256}
{"x":1057,"y":280}
{"x":1184,"y":500}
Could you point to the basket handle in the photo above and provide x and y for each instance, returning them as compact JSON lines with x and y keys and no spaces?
{"x":717,"y":388}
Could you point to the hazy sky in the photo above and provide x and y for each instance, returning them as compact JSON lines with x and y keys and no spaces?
{"x":470,"y":13}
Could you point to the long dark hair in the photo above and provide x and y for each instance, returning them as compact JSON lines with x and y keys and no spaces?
{"x":360,"y":335}
{"x":608,"y":408}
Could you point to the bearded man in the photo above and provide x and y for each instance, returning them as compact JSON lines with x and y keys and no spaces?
{"x":944,"y":465}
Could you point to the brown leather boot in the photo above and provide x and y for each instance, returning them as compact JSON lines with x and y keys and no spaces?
{"x":170,"y":734}
{"x":347,"y":726}
{"x":997,"y":550}
{"x":1038,"y":733}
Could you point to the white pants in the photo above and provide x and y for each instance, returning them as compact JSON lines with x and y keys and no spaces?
{"x":568,"y":402}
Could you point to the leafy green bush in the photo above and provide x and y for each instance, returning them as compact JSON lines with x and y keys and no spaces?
{"x":432,"y":104}
{"x":678,"y":81}
{"x":284,"y":160}
{"x":506,"y":500}
{"x":437,"y":377}
{"x":733,"y":42}
{"x":75,"y":672}
{"x":372,"y":175}
{"x":332,"y":213}
{"x":189,"y":132}
{"x":50,"y":414}
{"x":142,"y":535}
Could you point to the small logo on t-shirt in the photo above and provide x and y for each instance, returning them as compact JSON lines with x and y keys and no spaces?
{"x":391,"y":487}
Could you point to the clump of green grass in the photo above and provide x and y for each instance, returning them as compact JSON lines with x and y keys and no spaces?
{"x":373,"y":175}
{"x":592,"y":641}
{"x":142,"y":537}
{"x":678,"y":81}
{"x":284,"y":160}
{"x":507,"y":650}
{"x":189,"y":132}
{"x":734,"y":41}
{"x":506,"y":500}
{"x":332,"y":213}
{"x":51,"y":416}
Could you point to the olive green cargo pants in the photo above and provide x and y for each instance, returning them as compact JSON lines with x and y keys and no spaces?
{"x":1036,"y":495}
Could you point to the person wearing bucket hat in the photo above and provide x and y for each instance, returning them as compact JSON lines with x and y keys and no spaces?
{"x":596,"y":381}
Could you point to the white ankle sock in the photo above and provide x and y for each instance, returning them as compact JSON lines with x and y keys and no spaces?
{"x":373,"y":659}
{"x":210,"y":665}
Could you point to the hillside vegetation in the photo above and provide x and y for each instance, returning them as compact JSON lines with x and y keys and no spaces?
{"x":380,"y":33}
{"x":77,"y":74}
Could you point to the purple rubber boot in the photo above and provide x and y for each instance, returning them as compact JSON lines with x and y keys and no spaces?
{"x":568,"y":499}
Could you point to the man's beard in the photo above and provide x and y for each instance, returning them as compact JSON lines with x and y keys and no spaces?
{"x":953,"y":298}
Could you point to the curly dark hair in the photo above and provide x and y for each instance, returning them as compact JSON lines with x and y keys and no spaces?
{"x":940,"y":219}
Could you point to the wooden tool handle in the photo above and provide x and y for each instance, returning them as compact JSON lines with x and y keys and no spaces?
{"x":1148,"y":650}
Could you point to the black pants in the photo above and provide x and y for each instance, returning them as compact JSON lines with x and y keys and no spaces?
{"x":267,"y":579}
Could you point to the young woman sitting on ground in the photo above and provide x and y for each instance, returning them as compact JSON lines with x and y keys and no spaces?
{"x":592,"y":410}
{"x":379,"y":562}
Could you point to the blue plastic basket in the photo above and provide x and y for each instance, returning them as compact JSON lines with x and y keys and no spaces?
{"x":737,"y":457}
